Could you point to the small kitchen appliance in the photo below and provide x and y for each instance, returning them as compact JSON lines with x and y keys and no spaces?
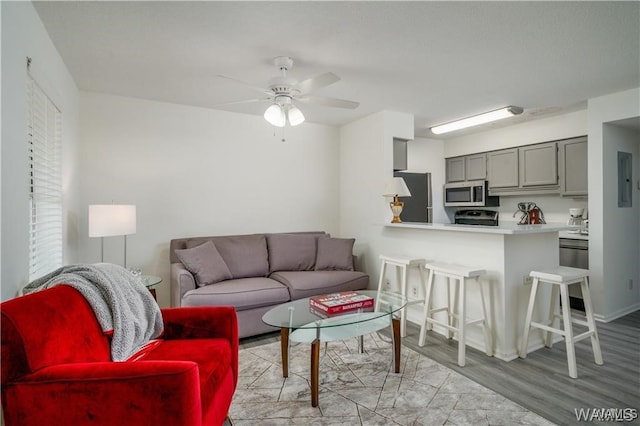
{"x":476,"y":217}
{"x":575,"y":217}
{"x":531,"y":214}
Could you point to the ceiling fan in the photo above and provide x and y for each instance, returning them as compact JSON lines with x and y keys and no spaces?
{"x":282,"y":91}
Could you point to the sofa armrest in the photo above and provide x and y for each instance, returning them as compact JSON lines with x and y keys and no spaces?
{"x":181,"y":281}
{"x":106,"y":393}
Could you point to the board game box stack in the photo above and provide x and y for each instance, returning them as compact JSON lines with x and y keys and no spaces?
{"x":339,"y":303}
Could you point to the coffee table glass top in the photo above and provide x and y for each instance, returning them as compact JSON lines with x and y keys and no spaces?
{"x":297,"y":315}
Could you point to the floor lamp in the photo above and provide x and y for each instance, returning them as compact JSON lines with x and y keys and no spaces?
{"x":110,"y":220}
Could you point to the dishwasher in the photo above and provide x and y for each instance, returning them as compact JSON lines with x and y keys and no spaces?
{"x":575,"y":253}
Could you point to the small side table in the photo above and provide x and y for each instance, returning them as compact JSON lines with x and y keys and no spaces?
{"x":150,"y":281}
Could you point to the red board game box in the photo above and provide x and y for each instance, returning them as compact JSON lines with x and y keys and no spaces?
{"x":337,"y":303}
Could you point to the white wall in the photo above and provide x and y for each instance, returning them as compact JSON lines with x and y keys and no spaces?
{"x":609,"y":234}
{"x":23,"y":35}
{"x":427,"y":156}
{"x":196,"y":172}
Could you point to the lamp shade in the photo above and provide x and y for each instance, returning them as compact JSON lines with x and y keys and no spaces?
{"x":275,"y":115}
{"x":107,"y":220}
{"x":295,"y":115}
{"x":396,"y":186}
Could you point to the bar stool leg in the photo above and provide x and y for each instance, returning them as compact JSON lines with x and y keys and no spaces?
{"x":403,"y":289}
{"x":553,"y":305}
{"x":488,"y":341}
{"x":527,"y":321}
{"x":452,"y":307}
{"x":461,"y":322}
{"x":568,"y":331}
{"x":427,"y":310}
{"x":595,"y":342}
{"x":383,"y":270}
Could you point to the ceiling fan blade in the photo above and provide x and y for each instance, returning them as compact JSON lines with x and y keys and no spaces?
{"x":259,"y":89}
{"x":330,"y":102}
{"x":247,"y":101}
{"x":316,"y":82}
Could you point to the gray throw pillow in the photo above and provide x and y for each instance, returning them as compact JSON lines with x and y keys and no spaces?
{"x":335,"y":254}
{"x":291,"y":252}
{"x":205,"y":263}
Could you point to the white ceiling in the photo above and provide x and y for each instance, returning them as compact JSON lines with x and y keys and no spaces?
{"x":437,"y":60}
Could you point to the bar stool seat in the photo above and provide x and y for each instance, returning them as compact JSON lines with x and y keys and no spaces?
{"x":461,"y":275}
{"x":402,"y":264}
{"x":561,"y":278}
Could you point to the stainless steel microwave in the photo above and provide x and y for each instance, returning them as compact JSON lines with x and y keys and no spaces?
{"x":473,"y":193}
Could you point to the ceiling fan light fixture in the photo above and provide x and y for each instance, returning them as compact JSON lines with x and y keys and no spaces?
{"x":275,"y":115}
{"x":476,"y":120}
{"x":295,"y":115}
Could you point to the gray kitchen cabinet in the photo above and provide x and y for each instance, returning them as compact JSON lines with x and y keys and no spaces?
{"x":465,"y":168}
{"x":476,"y":166}
{"x":503,"y":168}
{"x":538,"y":164}
{"x":572,"y":167}
{"x":455,"y":169}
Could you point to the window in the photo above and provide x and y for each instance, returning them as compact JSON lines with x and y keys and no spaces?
{"x":44,"y":136}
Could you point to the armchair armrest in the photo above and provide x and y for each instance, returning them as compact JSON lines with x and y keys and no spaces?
{"x":106,"y":393}
{"x":203,"y":322}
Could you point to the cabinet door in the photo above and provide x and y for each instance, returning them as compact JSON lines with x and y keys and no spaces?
{"x":476,"y":167}
{"x":572,"y":167}
{"x":455,"y":169}
{"x":538,"y":164}
{"x":503,"y":168}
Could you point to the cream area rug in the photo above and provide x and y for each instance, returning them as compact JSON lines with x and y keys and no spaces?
{"x":362,"y":389}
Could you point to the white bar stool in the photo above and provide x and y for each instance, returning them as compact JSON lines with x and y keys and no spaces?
{"x":456,"y":310}
{"x":561,"y":278}
{"x":402,"y":264}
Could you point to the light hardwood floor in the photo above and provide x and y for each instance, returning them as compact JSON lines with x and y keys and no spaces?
{"x":541,"y":382}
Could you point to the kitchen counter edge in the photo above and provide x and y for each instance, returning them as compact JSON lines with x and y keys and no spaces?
{"x":508,"y":229}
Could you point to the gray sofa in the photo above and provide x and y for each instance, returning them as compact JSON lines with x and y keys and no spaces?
{"x":256,"y":272}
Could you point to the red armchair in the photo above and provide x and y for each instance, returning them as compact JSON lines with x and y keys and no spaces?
{"x":56,"y":366}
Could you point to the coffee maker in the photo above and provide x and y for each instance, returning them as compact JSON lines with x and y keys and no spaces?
{"x":576,"y":217}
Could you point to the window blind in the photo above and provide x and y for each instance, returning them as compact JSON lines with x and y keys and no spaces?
{"x":44,"y":136}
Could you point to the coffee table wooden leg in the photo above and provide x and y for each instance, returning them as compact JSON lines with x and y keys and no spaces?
{"x":315,"y":366}
{"x":284,"y":349}
{"x":397,"y":344}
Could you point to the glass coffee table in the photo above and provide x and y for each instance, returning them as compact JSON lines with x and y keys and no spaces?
{"x":298,"y":323}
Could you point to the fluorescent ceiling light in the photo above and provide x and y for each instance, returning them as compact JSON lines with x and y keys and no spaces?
{"x":476,"y":120}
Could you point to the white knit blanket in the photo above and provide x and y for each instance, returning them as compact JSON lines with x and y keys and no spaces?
{"x":119,"y":300}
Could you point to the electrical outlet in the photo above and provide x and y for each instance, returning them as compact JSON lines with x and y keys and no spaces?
{"x":527,"y":280}
{"x":414,"y":291}
{"x":387,"y":283}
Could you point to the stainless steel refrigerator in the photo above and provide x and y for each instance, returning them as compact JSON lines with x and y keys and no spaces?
{"x":418,"y":207}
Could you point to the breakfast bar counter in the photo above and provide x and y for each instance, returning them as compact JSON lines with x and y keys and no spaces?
{"x":507,"y":252}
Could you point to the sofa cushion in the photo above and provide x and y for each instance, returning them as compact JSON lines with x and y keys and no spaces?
{"x":205,"y":263}
{"x":335,"y":254}
{"x":291,"y":252}
{"x":245,"y":255}
{"x":244,"y":293}
{"x":213,"y":357}
{"x":310,"y":283}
